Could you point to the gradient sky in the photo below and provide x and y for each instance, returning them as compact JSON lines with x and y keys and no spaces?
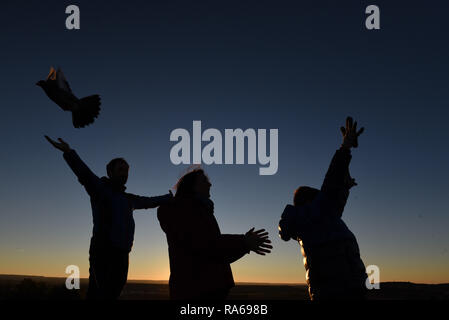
{"x":298,"y":66}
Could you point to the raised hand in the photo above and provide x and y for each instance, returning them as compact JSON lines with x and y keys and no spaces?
{"x":350,"y":134}
{"x":62,"y":145}
{"x":258,"y":241}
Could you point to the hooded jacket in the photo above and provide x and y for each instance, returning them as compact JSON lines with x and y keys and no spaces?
{"x":112,"y":207}
{"x":331,"y":253}
{"x":200,"y":256}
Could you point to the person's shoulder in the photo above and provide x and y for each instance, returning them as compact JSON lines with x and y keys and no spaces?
{"x":171,"y":206}
{"x":174,"y":210}
{"x":182,"y":204}
{"x":184,"y":201}
{"x":105,"y":182}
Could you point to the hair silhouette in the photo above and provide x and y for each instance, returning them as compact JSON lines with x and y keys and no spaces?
{"x":185,"y":184}
{"x":304,"y":195}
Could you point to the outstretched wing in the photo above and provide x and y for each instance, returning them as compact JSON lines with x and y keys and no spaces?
{"x":62,"y":82}
{"x":52,"y":74}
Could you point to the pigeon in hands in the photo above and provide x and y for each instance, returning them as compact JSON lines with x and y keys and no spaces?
{"x":84,"y":111}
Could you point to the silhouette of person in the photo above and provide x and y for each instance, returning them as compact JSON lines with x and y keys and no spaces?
{"x":200,"y":256}
{"x":334,"y":269}
{"x":113,"y":230}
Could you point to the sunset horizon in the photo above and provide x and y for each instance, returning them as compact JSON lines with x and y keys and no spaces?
{"x":307,"y":139}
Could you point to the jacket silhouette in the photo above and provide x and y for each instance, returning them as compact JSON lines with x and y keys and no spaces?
{"x":200,"y":255}
{"x":113,"y":228}
{"x":334,"y":269}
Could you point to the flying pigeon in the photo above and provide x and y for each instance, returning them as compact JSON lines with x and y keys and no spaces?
{"x":84,"y":111}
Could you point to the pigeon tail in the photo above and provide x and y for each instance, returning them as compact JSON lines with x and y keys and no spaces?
{"x":88,"y":109}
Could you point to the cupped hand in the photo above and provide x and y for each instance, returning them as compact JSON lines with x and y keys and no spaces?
{"x":61,"y":145}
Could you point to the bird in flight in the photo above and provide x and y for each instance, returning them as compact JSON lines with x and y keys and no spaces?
{"x":84,"y":110}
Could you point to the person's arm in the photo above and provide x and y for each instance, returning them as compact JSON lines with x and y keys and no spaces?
{"x":140,"y":202}
{"x":338,"y":171}
{"x":86,"y":177}
{"x":337,"y":182}
{"x":229,"y":248}
{"x":334,"y":193}
{"x":256,"y":241}
{"x":225,"y":248}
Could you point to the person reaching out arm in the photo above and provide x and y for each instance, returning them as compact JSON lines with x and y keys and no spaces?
{"x":338,"y":181}
{"x":113,"y":223}
{"x":86,"y":177}
{"x":334,"y":269}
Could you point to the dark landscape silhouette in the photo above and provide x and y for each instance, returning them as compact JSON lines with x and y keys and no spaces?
{"x":16,"y":287}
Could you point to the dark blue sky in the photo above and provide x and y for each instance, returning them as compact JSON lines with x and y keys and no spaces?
{"x":298,"y":66}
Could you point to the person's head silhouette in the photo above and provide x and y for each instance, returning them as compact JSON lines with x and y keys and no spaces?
{"x":117,"y":170}
{"x":304,"y":195}
{"x":194,"y":183}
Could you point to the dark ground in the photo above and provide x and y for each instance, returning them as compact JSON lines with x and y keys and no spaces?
{"x":43,"y":288}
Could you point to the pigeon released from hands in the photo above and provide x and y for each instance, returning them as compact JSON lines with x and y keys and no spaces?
{"x":84,"y":111}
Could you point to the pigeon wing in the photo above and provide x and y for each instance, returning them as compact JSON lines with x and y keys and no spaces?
{"x":52,"y":74}
{"x":62,"y":82}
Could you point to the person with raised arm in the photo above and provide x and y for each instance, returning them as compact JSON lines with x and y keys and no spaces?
{"x":334,"y":269}
{"x":113,"y":222}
